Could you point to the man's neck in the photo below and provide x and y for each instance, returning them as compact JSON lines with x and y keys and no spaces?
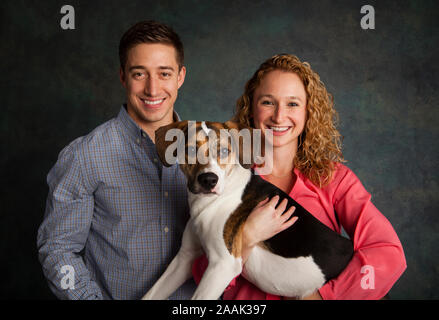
{"x":151,"y":126}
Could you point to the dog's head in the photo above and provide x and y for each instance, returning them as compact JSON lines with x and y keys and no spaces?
{"x":207,"y":152}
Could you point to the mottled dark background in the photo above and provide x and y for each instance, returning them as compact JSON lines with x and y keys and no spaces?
{"x":59,"y":84}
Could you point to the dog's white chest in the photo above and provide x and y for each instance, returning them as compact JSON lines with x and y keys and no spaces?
{"x":210,"y":221}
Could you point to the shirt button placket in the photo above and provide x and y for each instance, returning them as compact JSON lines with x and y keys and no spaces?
{"x":165,"y":217}
{"x":166,"y":194}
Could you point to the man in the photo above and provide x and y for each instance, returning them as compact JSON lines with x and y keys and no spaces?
{"x":114,"y":215}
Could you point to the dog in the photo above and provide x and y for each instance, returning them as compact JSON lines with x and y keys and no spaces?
{"x":293,"y":263}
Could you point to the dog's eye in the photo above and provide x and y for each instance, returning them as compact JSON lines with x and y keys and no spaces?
{"x":224,"y":152}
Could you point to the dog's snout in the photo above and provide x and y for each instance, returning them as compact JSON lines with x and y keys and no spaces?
{"x":208,"y":180}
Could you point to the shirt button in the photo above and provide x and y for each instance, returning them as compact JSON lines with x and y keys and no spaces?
{"x":166,"y":193}
{"x":138,"y":141}
{"x":155,"y":160}
{"x":166,"y":229}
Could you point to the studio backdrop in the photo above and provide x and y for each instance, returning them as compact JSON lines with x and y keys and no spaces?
{"x":60,"y":79}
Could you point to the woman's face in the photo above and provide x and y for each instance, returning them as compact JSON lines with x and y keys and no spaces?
{"x":279,"y":103}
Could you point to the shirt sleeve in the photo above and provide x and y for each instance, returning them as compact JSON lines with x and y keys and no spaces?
{"x":378,"y":259}
{"x":64,"y":230}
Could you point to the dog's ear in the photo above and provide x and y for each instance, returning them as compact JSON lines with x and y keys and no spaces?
{"x":162,"y":144}
{"x":242,"y":140}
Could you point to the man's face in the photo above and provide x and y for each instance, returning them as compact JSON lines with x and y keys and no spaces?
{"x":152,"y":79}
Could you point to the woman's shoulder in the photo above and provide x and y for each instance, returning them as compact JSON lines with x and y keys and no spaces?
{"x":344,"y":181}
{"x":340,"y":169}
{"x":342,"y":174}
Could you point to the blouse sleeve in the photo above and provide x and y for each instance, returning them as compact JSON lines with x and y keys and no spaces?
{"x":378,"y":259}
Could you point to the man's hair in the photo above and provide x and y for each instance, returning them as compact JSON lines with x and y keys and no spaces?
{"x":150,"y":32}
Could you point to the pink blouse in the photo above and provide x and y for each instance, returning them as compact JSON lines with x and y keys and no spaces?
{"x":378,"y":259}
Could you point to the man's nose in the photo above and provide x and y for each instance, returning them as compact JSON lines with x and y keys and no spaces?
{"x":151,"y":86}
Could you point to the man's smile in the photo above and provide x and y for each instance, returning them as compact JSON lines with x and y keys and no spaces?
{"x":152,"y":102}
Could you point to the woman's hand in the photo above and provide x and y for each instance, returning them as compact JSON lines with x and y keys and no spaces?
{"x":264,"y":222}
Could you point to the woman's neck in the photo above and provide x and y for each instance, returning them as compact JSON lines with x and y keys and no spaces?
{"x":282,"y":175}
{"x":283,"y":159}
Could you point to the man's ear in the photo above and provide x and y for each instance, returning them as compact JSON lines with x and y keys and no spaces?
{"x":181,"y":76}
{"x":161,"y":144}
{"x":122,"y":77}
{"x":239,"y":132}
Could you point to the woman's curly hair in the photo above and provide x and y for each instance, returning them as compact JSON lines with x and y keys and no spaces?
{"x":320,"y":143}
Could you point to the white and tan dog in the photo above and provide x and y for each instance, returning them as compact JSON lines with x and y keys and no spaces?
{"x":294,"y":263}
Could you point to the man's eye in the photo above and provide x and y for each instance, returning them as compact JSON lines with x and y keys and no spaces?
{"x":138,"y":75}
{"x":166,"y":74}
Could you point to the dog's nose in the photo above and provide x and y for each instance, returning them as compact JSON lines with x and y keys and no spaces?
{"x":208,"y":180}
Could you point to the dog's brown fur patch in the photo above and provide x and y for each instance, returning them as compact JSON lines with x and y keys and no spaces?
{"x":234,"y":226}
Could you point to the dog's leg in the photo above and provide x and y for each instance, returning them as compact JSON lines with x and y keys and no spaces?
{"x":180,"y":269}
{"x":217,"y":276}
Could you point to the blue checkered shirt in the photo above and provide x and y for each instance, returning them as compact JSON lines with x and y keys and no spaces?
{"x":114,"y":216}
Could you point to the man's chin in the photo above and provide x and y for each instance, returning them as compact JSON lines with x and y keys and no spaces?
{"x":157,"y":115}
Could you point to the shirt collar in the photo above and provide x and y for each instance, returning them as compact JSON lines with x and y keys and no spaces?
{"x":132,"y":127}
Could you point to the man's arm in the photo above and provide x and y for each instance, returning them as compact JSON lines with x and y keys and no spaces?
{"x":64,"y":230}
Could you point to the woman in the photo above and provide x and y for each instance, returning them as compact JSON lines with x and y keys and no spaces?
{"x":287,"y":96}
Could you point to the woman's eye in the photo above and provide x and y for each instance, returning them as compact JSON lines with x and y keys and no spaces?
{"x":267,"y":102}
{"x":293,"y":104}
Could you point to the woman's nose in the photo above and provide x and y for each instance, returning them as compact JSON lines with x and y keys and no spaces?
{"x":278,"y":114}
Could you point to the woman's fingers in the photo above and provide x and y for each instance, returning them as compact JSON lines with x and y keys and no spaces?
{"x":266,"y":220}
{"x":262,"y":203}
{"x":269,"y":202}
{"x":273,"y":201}
{"x":289,"y":223}
{"x":282,"y":206}
{"x":287,"y":214}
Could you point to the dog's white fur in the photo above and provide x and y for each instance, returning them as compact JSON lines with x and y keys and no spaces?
{"x":283,"y":276}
